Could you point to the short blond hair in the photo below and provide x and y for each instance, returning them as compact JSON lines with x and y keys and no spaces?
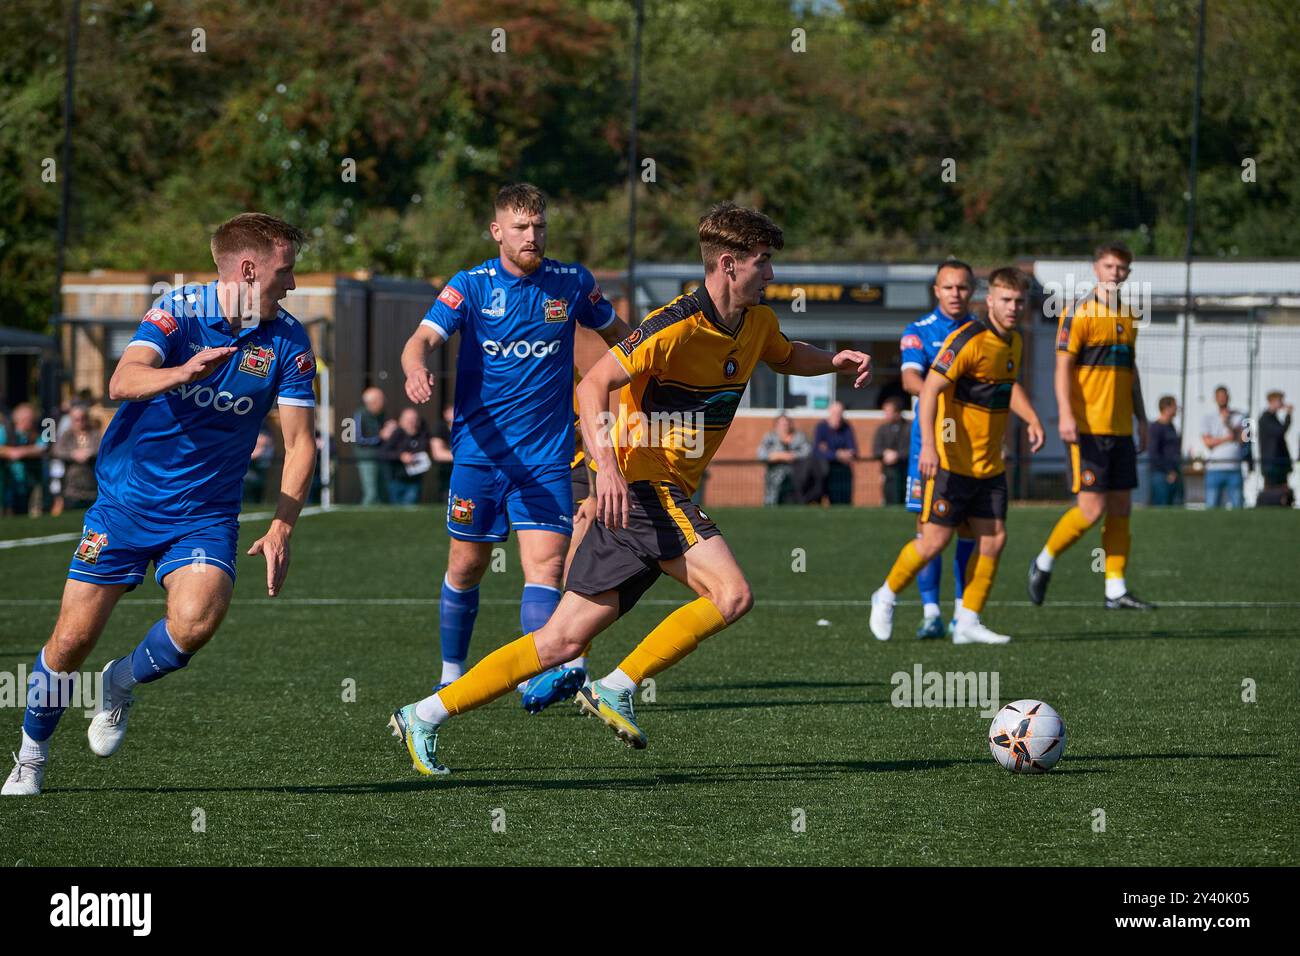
{"x":254,"y":232}
{"x":1009,"y":277}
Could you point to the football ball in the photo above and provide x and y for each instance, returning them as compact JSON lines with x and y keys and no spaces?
{"x":1027,"y":736}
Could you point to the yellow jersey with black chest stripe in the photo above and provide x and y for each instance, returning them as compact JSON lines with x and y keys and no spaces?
{"x":983,"y":368}
{"x":689,"y":372}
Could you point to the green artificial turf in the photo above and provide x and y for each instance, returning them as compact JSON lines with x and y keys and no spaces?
{"x":775,"y":743}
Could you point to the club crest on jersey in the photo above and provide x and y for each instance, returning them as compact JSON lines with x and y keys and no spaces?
{"x":163,"y":320}
{"x":555,"y":310}
{"x":462,"y":510}
{"x":256,"y":360}
{"x":92,"y":542}
{"x":730,"y":367}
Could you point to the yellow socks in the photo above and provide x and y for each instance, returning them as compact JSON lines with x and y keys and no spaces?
{"x":907,"y":567}
{"x":1115,"y":541}
{"x":675,"y":637}
{"x":1072,"y":526}
{"x":979,"y":581}
{"x":494,"y":675}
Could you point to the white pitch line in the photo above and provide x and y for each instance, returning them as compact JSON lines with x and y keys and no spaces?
{"x":666,"y":602}
{"x":76,"y":535}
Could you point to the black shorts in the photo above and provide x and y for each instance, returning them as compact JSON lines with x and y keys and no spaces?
{"x":662,"y":524}
{"x":580,"y":481}
{"x":1103,"y":463}
{"x":950,"y":499}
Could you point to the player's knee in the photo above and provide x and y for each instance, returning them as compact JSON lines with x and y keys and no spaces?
{"x":191,"y":625}
{"x":465,"y":570}
{"x":734,"y":600}
{"x":548,"y":570}
{"x":557,"y":643}
{"x":993,"y":544}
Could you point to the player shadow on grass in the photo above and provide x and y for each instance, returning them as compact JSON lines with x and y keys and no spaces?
{"x":784,"y":685}
{"x":1228,"y":634}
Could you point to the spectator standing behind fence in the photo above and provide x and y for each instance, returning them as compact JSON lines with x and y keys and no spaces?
{"x":410,"y":450}
{"x":890,"y":444}
{"x":77,"y":447}
{"x":372,"y":432}
{"x":782,"y":449}
{"x":22,"y":450}
{"x":1274,"y":456}
{"x":1166,"y":456}
{"x":442,"y":454}
{"x":836,"y":445}
{"x":1221,"y":431}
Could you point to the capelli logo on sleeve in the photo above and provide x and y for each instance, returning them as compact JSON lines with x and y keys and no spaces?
{"x":78,"y":909}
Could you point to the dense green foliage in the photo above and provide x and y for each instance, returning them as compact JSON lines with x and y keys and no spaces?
{"x":1055,"y":145}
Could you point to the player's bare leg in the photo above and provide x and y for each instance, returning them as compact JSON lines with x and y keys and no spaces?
{"x":991,"y":538}
{"x":198,"y":596}
{"x":916,"y":554}
{"x":82,"y":616}
{"x":577,"y":620}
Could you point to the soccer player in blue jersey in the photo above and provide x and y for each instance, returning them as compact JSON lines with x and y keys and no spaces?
{"x":954,"y":285}
{"x":512,"y":435}
{"x":196,"y":381}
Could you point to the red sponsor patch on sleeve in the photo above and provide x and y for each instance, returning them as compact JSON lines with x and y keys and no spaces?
{"x":451,"y":298}
{"x":305,"y":362}
{"x":910,"y":342}
{"x":163,"y":320}
{"x":595,"y":295}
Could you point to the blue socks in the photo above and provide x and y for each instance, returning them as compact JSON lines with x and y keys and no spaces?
{"x":457,"y":611}
{"x":537,"y":606}
{"x":157,"y":655}
{"x":964,"y":548}
{"x":48,"y":696}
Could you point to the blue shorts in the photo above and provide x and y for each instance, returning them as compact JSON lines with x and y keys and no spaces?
{"x":117,"y":545}
{"x":485,"y":501}
{"x":915,"y":483}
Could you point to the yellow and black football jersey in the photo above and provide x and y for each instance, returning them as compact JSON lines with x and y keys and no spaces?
{"x":688,"y":372}
{"x":1102,"y":341}
{"x":983,"y":368}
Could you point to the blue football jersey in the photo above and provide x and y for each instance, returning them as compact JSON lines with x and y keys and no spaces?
{"x":183,"y":454}
{"x":920,"y":346}
{"x":514,"y":370}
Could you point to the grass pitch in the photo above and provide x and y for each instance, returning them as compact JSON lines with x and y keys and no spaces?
{"x":775,"y":743}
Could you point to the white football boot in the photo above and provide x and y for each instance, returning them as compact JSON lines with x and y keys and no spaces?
{"x":25,"y":779}
{"x":977,"y":633}
{"x":882,"y":616}
{"x":108,"y":727}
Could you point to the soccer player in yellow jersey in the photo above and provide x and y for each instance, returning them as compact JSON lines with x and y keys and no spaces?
{"x":681,"y":373}
{"x":962,"y":412}
{"x":1098,"y":393}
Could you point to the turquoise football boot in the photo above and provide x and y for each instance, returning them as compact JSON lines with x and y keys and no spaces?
{"x":421,"y":739}
{"x":930,"y":628}
{"x":614,"y":708}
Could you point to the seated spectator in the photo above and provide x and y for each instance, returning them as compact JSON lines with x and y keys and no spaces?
{"x":77,"y":449}
{"x":258,"y":466}
{"x":1274,"y":456}
{"x":22,"y":452}
{"x":835,"y":444}
{"x":782,"y":448}
{"x":891,"y":444}
{"x":1165,"y":454}
{"x":410,"y":450}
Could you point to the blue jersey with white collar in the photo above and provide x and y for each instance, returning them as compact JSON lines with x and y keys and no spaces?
{"x":920,"y":346}
{"x":183,"y":454}
{"x":514,"y":369}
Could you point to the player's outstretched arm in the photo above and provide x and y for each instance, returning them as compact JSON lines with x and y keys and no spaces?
{"x":927,"y":407}
{"x":807,"y":359}
{"x":593,"y":416}
{"x":1024,"y":410}
{"x":295,"y":480}
{"x":139,"y":377}
{"x":419,"y":380}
